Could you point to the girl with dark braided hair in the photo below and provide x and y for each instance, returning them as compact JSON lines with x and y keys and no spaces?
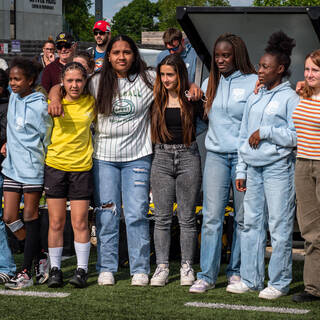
{"x":266,"y":164}
{"x":232,"y":79}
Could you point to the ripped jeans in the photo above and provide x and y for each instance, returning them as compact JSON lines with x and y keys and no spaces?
{"x":125,"y":183}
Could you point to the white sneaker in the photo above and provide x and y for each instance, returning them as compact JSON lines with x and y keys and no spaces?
{"x":234,"y":279}
{"x":140,"y":279}
{"x":238,"y":287}
{"x":160,"y":277}
{"x":106,"y":278}
{"x":42,"y":268}
{"x":201,"y":286}
{"x":186,"y":275}
{"x":271,"y":293}
{"x":19,"y":281}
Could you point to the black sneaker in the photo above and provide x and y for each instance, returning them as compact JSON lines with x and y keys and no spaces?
{"x":55,"y":278}
{"x":79,"y":278}
{"x":304,"y":296}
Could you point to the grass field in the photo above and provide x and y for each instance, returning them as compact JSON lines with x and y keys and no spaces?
{"x":123,"y":301}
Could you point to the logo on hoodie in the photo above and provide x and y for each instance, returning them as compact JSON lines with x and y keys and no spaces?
{"x":238,"y":94}
{"x":272,"y":107}
{"x":19,"y":123}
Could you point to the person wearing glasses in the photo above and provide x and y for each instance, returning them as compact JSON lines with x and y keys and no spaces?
{"x":175,"y":44}
{"x":66,"y":47}
{"x":47,"y":55}
{"x":102,"y":35}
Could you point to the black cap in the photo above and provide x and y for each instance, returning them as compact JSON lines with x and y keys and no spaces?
{"x":64,"y":37}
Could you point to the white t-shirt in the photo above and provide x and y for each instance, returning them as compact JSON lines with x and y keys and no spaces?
{"x":124,"y":135}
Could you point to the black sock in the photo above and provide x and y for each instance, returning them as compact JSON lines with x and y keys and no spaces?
{"x":32,"y":243}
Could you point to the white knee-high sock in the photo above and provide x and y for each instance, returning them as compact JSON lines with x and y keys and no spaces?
{"x":82,"y":252}
{"x":55,"y":257}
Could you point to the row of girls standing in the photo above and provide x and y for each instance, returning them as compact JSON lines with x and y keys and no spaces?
{"x":122,"y":157}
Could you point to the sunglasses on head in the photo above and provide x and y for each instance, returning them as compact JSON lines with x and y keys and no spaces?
{"x":101,"y":33}
{"x":65,"y":45}
{"x":174,"y":49}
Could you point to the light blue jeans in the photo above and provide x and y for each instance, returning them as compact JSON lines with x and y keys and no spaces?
{"x":126,"y":183}
{"x":273,"y":186}
{"x":6,"y":260}
{"x":219,"y":174}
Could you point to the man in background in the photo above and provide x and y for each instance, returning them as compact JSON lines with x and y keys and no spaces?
{"x":175,"y":44}
{"x":102,"y":35}
{"x":66,"y":47}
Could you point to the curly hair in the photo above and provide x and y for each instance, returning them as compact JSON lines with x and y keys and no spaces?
{"x":280,"y":46}
{"x":30,"y":68}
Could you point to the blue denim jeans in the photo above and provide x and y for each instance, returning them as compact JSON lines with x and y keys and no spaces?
{"x":219,"y":174}
{"x":6,"y":260}
{"x":271,"y":186}
{"x":124,"y":183}
{"x":175,"y":176}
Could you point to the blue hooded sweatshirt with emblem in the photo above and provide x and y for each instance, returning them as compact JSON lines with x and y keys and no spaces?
{"x":270,"y":111}
{"x":226,"y":111}
{"x":28,"y":135}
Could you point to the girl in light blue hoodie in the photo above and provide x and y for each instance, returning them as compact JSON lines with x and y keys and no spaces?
{"x":232,"y":79}
{"x":266,"y":164}
{"x":28,"y":135}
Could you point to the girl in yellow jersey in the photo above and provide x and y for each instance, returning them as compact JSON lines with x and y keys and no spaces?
{"x":68,"y":174}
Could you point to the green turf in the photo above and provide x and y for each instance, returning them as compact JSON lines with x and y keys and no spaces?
{"x":125,"y":302}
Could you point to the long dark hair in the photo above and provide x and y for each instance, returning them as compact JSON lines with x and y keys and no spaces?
{"x":159,"y":131}
{"x":241,"y":62}
{"x":108,"y":82}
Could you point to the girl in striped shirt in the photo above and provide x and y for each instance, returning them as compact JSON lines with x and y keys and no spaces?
{"x":307,"y":176}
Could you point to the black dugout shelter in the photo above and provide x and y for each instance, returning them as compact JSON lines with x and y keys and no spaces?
{"x":254,"y":25}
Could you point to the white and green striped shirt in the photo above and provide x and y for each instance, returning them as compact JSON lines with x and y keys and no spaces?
{"x":124,"y":135}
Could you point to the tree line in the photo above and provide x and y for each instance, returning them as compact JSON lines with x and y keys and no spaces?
{"x":144,"y":15}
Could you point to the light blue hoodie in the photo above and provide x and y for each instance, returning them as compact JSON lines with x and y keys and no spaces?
{"x":226,"y":111}
{"x":270,"y":111}
{"x":28,"y":135}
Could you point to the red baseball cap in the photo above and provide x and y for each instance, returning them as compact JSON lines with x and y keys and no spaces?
{"x":102,"y":25}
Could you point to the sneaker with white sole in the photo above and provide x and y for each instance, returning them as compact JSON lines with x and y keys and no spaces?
{"x":160,"y":276}
{"x":271,"y":293}
{"x":238,"y":287}
{"x":21,"y":280}
{"x":234,"y":279}
{"x":186,"y":275}
{"x":106,"y":278}
{"x":201,"y":286}
{"x":42,"y":268}
{"x":140,"y":280}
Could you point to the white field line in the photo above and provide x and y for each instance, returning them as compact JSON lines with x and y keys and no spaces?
{"x":41,"y":294}
{"x":246,"y":308}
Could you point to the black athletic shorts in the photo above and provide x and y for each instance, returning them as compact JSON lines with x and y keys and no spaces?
{"x":73,"y":185}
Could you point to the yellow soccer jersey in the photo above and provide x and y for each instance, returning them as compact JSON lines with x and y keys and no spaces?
{"x":71,"y":142}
